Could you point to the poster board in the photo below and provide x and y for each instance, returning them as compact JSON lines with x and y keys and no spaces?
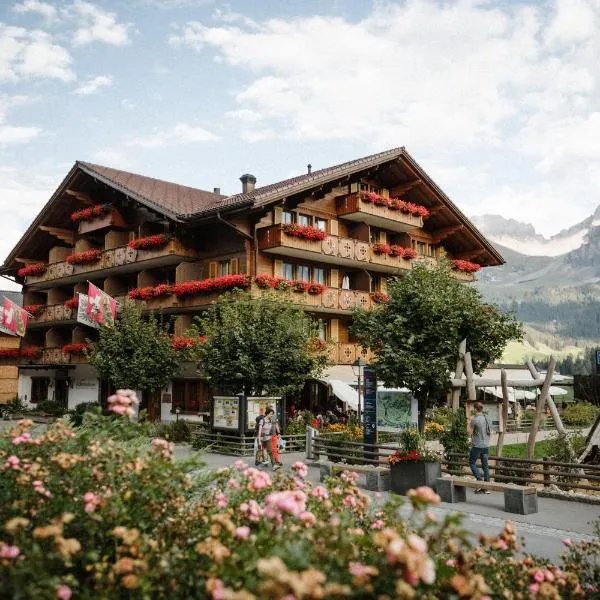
{"x":493,"y":412}
{"x":226,"y":413}
{"x":253,"y":406}
{"x":396,"y":410}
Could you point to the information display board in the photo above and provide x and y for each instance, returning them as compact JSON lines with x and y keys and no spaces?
{"x":226,"y":413}
{"x":253,"y":407}
{"x":396,"y":410}
{"x":370,"y":407}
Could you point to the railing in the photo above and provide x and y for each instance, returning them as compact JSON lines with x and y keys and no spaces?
{"x":239,"y":445}
{"x":545,"y":472}
{"x":352,"y":208}
{"x":330,"y":447}
{"x":120,"y":257}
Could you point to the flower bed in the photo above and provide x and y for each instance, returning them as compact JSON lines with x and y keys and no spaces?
{"x":149,"y":242}
{"x":304,"y":231}
{"x":90,"y":213}
{"x":33,"y":269}
{"x":88,"y":514}
{"x":35,"y":310}
{"x":76,"y":348}
{"x":210,"y":286}
{"x":72,"y":302}
{"x":85,"y":257}
{"x":466,"y":266}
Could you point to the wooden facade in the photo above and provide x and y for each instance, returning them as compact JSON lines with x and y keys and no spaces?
{"x":328,"y":227}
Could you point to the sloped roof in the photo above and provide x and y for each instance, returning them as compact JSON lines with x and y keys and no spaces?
{"x":173,"y":198}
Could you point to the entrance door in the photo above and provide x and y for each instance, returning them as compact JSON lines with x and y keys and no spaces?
{"x":151,"y":403}
{"x":61,"y":392}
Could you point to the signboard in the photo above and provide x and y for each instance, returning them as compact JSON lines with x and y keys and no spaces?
{"x":396,"y":410}
{"x":226,"y":412}
{"x":253,"y":407}
{"x":82,"y":313}
{"x":14,"y":318}
{"x":370,"y":407}
{"x":101,"y":308}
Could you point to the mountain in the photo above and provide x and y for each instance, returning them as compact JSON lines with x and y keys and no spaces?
{"x":553,"y":284}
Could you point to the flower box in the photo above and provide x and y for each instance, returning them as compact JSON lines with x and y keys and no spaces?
{"x":90,"y":213}
{"x":409,"y":253}
{"x":33,"y":269}
{"x":86,"y":257}
{"x":304,"y":231}
{"x":75,"y":348}
{"x":209,"y":286}
{"x":31,"y":352}
{"x":186,"y":343}
{"x":409,"y":475}
{"x":316,"y":289}
{"x":72,"y":303}
{"x":147,"y":293}
{"x":380,"y":248}
{"x":35,"y":310}
{"x":150,"y":242}
{"x":380,"y":297}
{"x":466,"y":266}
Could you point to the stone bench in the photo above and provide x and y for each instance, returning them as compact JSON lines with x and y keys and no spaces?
{"x":518,"y":499}
{"x":377,"y":478}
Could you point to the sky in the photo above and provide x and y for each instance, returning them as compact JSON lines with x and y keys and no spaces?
{"x":498,"y":101}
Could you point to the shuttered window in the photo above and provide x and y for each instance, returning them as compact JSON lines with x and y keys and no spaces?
{"x":190,"y":395}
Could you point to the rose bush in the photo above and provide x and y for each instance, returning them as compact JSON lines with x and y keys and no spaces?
{"x":86,"y":515}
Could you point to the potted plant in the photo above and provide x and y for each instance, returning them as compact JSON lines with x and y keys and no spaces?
{"x":413,"y":465}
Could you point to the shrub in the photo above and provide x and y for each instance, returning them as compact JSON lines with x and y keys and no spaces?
{"x":455,"y":439}
{"x":441,"y":415}
{"x":76,"y":414}
{"x":433,"y":430}
{"x":98,"y":518}
{"x":50,"y":407}
{"x":176,"y":431}
{"x":580,"y":414}
{"x":14,"y":406}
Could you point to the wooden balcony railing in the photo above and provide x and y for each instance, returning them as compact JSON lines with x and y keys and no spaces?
{"x":122,"y":259}
{"x":333,"y":250}
{"x":351,"y":207}
{"x":48,"y":356}
{"x":345,"y":354}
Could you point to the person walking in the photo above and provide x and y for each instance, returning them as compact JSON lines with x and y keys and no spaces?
{"x":479,"y":430}
{"x":265,"y":433}
{"x":275,"y":436}
{"x":260,"y":457}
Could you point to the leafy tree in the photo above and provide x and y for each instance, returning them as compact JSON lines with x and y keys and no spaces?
{"x":259,"y":345}
{"x":135,"y":352}
{"x":415,"y":336}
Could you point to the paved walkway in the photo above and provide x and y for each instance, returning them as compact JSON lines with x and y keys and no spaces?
{"x":542,"y":532}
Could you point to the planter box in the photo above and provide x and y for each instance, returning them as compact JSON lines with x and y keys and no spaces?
{"x":411,"y":475}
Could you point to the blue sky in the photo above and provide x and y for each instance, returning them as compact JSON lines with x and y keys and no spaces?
{"x":499,"y":102}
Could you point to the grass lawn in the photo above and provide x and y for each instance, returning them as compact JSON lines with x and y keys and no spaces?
{"x":520,"y":450}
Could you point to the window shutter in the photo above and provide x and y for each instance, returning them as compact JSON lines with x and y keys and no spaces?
{"x":333,"y":227}
{"x":383,"y":237}
{"x":212,"y":270}
{"x":277,"y":267}
{"x":334,"y":329}
{"x":334,"y":278}
{"x":234,"y":266}
{"x":277,"y":215}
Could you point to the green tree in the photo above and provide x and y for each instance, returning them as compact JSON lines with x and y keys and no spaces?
{"x":136,"y":352}
{"x":415,"y":336}
{"x":259,"y":345}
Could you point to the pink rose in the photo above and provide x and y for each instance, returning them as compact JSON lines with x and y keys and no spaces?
{"x":538,"y":576}
{"x":242,"y":533}
{"x":63,"y":592}
{"x":534,"y":588}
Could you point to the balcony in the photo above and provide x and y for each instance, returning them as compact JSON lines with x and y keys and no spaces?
{"x":345,"y":354}
{"x":352,"y":208}
{"x":114,"y":261}
{"x":48,"y":356}
{"x":332,"y":250}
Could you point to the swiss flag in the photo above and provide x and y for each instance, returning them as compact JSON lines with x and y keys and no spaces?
{"x":101,"y":308}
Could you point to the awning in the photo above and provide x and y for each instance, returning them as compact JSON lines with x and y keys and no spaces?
{"x":556,"y":391}
{"x":513,"y":394}
{"x":343,"y":392}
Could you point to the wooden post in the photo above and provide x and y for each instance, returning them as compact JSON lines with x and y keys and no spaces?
{"x":546,"y":472}
{"x":460,"y":366}
{"x":471,"y":391}
{"x":500,"y":445}
{"x":539,"y":408}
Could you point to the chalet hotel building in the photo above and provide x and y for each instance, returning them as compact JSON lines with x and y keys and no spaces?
{"x":337,"y":233}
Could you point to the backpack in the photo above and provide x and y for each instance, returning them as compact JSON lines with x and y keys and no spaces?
{"x":257,"y":424}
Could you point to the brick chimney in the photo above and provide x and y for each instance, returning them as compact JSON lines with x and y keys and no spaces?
{"x":248,"y":183}
{"x":216,"y":190}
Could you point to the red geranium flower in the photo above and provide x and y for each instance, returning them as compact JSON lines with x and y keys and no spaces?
{"x":409,"y":253}
{"x":304,"y":231}
{"x":72,"y":303}
{"x":92,"y":212}
{"x":380,"y":297}
{"x":380,"y":248}
{"x":466,"y":266}
{"x":31,"y":351}
{"x":151,"y":241}
{"x":209,"y":286}
{"x":82,"y":258}
{"x":75,"y":348}
{"x":33,"y":269}
{"x":34,"y":309}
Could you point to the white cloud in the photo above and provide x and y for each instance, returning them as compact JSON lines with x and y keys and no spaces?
{"x":509,"y":89}
{"x":128,"y":103}
{"x":181,"y":133}
{"x":31,"y":54}
{"x":48,"y":11}
{"x":14,"y":134}
{"x":170,"y":4}
{"x":97,"y":25}
{"x":93,"y":85}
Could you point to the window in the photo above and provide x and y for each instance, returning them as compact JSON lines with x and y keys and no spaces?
{"x":303,"y":272}
{"x":432,"y":250}
{"x":190,"y":396}
{"x":373,"y":235}
{"x":319,"y":275}
{"x":224,"y":268}
{"x":39,"y":389}
{"x":320,"y":224}
{"x":323,"y":329}
{"x":375,"y":283}
{"x":287,"y":217}
{"x":287,"y":270}
{"x":303,"y":220}
{"x":421,"y":248}
{"x":364,"y":187}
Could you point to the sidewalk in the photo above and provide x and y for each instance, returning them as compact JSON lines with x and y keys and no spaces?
{"x":542,"y":532}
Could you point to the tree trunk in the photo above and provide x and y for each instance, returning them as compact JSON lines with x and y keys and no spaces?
{"x":422,"y":402}
{"x":541,"y":403}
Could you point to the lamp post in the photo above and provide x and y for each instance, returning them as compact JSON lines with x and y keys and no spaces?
{"x":358,"y":368}
{"x":177,"y":411}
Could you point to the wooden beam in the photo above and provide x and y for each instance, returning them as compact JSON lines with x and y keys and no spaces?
{"x":441,"y":234}
{"x":81,"y":196}
{"x":26,"y":261}
{"x":404,"y":187}
{"x":539,"y":407}
{"x":437,"y":209}
{"x":493,"y":382}
{"x":500,"y":444}
{"x":469,"y":254}
{"x":65,"y":235}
